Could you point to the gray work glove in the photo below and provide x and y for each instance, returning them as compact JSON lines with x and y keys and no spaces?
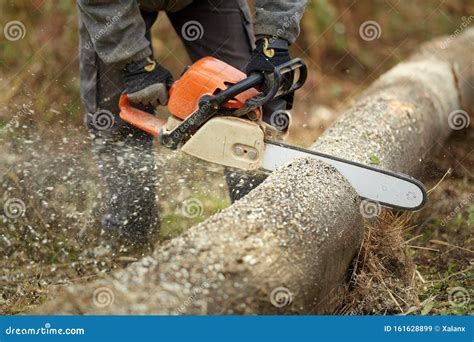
{"x":147,"y":82}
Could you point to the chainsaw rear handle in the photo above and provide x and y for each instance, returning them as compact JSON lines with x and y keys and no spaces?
{"x":285,"y":80}
{"x":147,"y":122}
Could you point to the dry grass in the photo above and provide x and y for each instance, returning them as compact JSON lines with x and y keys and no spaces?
{"x":409,"y":263}
{"x":383,"y":279}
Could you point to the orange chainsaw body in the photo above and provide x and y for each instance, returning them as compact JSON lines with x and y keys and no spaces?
{"x":207,"y":76}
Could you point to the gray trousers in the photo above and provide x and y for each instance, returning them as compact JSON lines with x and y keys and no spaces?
{"x":123,"y":153}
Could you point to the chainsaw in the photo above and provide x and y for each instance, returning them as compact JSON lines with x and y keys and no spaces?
{"x":222,"y":116}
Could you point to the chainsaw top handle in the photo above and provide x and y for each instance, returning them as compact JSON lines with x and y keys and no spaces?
{"x":285,"y":79}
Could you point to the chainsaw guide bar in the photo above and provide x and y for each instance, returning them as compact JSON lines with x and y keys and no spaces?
{"x":388,"y":188}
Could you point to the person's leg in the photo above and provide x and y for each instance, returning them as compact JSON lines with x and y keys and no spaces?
{"x":123,"y":153}
{"x":222,"y":29}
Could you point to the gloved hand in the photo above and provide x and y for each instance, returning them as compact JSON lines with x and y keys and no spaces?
{"x":147,"y":82}
{"x":268,"y":54}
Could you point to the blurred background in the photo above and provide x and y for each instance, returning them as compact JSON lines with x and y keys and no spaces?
{"x":45,"y":60}
{"x":46,"y":164}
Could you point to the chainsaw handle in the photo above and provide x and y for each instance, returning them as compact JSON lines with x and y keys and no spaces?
{"x":250,"y":81}
{"x":285,"y":80}
{"x":144,"y":121}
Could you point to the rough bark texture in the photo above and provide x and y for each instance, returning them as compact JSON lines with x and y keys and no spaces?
{"x":302,"y":227}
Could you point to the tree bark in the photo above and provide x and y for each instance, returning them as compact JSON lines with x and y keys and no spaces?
{"x":286,"y":247}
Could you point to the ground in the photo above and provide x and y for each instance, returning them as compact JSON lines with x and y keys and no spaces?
{"x":422,"y":263}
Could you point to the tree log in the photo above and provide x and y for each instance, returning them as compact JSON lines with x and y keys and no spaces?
{"x":286,"y":247}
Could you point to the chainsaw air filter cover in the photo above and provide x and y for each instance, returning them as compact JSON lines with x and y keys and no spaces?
{"x":208,"y":76}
